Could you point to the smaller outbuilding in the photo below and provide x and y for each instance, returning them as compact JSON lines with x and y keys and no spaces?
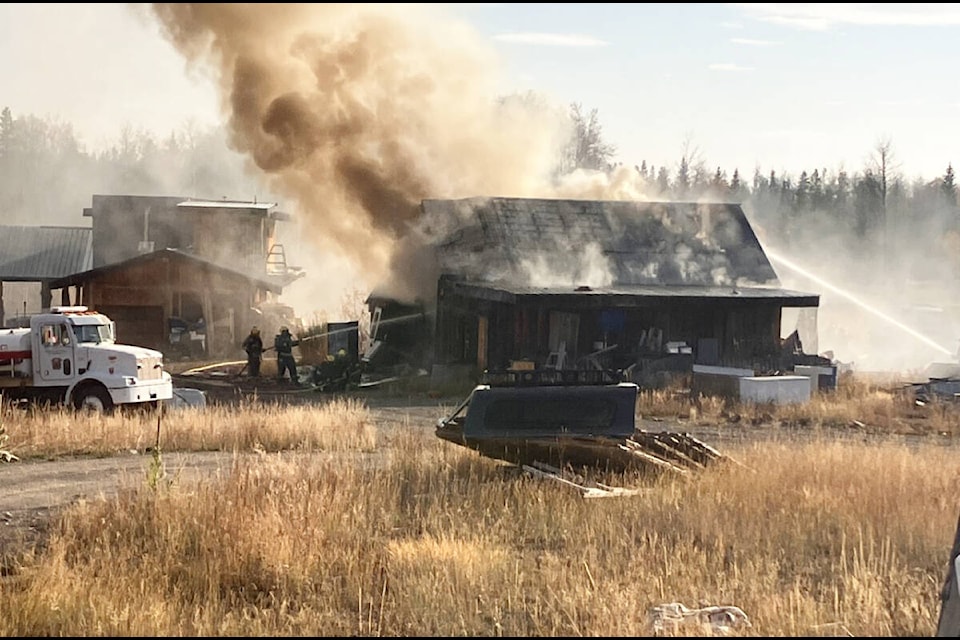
{"x":185,"y":276}
{"x":173,"y":301}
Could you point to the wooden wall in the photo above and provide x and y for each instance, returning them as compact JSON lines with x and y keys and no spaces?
{"x":146,"y":295}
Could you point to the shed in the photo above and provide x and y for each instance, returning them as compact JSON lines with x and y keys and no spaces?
{"x":148,"y":294}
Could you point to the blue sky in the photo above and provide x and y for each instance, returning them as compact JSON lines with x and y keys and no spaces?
{"x":784,"y":87}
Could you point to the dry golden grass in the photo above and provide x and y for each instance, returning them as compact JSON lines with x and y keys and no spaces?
{"x":341,"y":423}
{"x":856,"y":404}
{"x":431,"y":539}
{"x":415,"y":536}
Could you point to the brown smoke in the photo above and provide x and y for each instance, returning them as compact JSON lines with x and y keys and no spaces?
{"x":358,"y":112}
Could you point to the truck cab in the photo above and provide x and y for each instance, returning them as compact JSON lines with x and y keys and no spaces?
{"x":71,"y":355}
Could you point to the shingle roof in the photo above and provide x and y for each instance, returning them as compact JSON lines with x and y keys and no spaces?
{"x":33,"y":253}
{"x":545,"y":242}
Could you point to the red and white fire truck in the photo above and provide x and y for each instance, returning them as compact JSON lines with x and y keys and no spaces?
{"x":70,"y":356}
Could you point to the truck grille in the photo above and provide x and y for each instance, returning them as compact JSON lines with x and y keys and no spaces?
{"x":150,"y":368}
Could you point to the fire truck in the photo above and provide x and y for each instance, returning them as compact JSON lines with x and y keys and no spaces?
{"x":70,"y":356}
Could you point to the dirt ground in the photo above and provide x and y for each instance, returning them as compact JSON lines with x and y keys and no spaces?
{"x":35,"y":490}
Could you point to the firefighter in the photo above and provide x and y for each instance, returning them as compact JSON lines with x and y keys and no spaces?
{"x":253,"y":345}
{"x":284,"y":344}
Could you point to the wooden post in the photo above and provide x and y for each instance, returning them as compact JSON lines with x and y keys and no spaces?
{"x":167,"y":291}
{"x":45,"y":296}
{"x":208,"y":320}
{"x":482,"y":342}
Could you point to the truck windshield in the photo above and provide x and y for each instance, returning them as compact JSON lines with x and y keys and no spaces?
{"x":95,"y":333}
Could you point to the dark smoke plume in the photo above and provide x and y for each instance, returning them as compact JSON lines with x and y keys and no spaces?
{"x":358,"y":112}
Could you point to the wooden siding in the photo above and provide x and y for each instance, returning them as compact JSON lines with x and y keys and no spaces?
{"x":177,"y":289}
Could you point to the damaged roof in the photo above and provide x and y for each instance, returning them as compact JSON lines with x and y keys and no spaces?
{"x":601,"y":243}
{"x":629,"y":295}
{"x":269,"y":283}
{"x":36,"y":253}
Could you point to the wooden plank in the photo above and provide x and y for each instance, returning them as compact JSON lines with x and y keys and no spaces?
{"x":482,"y":343}
{"x":586,"y":489}
{"x":636,"y":449}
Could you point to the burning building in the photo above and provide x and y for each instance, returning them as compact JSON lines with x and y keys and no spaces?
{"x":534,"y":284}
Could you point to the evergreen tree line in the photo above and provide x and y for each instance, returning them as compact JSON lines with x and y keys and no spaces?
{"x":46,"y":177}
{"x":868,"y":204}
{"x":873,"y":214}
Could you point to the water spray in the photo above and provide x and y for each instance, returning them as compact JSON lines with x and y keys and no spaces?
{"x":849,"y":296}
{"x":411,"y":316}
{"x":387,"y":321}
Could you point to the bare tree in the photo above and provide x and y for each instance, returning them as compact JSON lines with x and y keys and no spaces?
{"x":692,"y":174}
{"x":587,"y":148}
{"x":884,"y":166}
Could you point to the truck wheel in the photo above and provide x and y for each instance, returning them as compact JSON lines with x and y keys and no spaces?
{"x":93,"y":398}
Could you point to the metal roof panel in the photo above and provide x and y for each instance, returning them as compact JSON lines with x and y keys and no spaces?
{"x":34,"y":253}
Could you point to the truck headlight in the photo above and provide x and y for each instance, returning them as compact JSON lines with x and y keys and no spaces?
{"x":129,"y":380}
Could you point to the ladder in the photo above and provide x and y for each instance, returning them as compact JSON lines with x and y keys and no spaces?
{"x":374,"y":326}
{"x":557,"y":359}
{"x":276,"y":260}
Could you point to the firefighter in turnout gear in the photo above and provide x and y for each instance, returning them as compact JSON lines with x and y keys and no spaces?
{"x":253,"y":345}
{"x":284,"y":344}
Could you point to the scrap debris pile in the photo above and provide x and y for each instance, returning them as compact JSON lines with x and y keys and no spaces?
{"x":548,"y":428}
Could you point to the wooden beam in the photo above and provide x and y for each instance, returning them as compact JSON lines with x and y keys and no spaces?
{"x":167,"y":292}
{"x":208,"y":319}
{"x":46,"y":298}
{"x":482,"y":342}
{"x":587,"y":489}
